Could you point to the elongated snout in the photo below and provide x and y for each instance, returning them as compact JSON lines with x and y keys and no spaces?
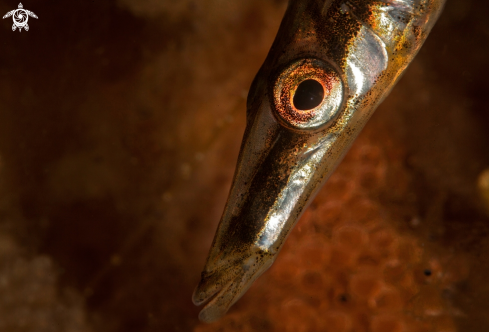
{"x":278,"y":172}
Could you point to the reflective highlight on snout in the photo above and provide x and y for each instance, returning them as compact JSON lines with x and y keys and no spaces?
{"x":356,"y":50}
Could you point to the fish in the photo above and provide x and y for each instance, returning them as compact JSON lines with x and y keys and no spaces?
{"x":331,"y":64}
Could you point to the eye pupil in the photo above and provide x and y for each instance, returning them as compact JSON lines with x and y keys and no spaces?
{"x":309,"y":94}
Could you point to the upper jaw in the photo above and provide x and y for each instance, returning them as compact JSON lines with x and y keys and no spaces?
{"x":225,"y":284}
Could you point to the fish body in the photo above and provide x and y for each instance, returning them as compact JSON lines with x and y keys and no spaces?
{"x":330,"y":66}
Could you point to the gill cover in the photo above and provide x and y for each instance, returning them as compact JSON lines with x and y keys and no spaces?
{"x":331,"y":64}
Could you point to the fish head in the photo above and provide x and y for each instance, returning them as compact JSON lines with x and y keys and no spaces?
{"x":330,"y":65}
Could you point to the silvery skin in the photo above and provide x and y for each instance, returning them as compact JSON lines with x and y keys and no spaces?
{"x":330,"y":66}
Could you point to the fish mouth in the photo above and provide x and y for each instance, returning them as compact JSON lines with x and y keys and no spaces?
{"x":220,"y":288}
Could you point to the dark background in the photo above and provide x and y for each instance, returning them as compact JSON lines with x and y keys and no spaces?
{"x":120,"y":124}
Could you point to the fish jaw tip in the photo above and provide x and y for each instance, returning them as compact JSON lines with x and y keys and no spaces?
{"x":215,"y":292}
{"x":221,"y":288}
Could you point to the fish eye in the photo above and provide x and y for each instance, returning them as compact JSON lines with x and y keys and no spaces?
{"x":307,"y":94}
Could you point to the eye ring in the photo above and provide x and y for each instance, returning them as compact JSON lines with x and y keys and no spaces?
{"x":293,"y":77}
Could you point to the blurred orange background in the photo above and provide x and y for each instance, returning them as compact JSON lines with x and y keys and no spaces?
{"x":120,"y":126}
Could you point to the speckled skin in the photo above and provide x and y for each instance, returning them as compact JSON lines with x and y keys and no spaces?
{"x":284,"y":160}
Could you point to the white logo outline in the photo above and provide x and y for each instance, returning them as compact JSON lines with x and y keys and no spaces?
{"x":20,"y":17}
